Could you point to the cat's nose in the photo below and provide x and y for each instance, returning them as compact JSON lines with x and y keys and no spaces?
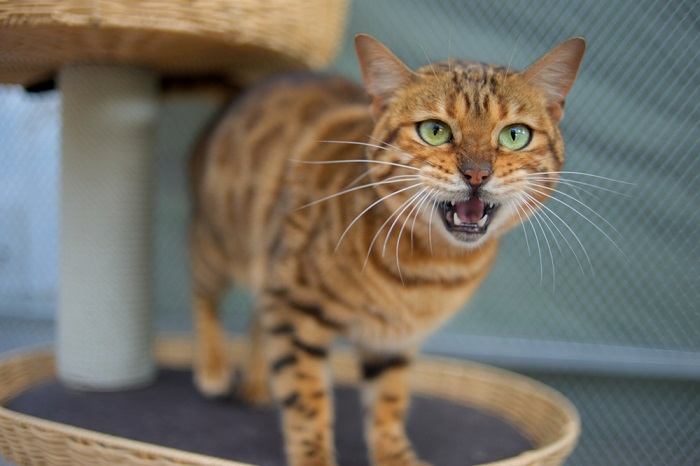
{"x":476,"y":175}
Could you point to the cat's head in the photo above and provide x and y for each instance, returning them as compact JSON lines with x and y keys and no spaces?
{"x":483,"y":140}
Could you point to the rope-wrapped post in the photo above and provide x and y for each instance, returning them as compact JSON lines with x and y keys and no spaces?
{"x":105,"y":302}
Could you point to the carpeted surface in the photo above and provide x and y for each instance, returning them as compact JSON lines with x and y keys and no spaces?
{"x":171,"y":413}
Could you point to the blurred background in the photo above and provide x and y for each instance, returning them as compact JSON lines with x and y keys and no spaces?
{"x":620,"y":336}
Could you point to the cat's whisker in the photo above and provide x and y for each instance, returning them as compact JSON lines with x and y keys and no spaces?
{"x":416,"y":203}
{"x":570,"y":182}
{"x":429,"y":63}
{"x":585,"y":218}
{"x":367,"y":209}
{"x":379,"y":230}
{"x":544,"y":210}
{"x":537,"y":243}
{"x":512,"y":55}
{"x":544,"y":217}
{"x":396,"y":219}
{"x":333,"y":162}
{"x":514,"y":204}
{"x":430,"y":227}
{"x":536,"y":216}
{"x":398,"y":149}
{"x":566,"y":183}
{"x":429,"y":195}
{"x":586,"y":174}
{"x":573,"y":233}
{"x":361,"y":176}
{"x":391,"y":180}
{"x":381,"y":146}
{"x":569,"y":196}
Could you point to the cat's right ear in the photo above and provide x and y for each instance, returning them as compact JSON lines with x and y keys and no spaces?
{"x":382,"y":72}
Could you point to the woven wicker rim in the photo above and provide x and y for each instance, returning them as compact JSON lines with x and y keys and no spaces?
{"x":545,"y":416}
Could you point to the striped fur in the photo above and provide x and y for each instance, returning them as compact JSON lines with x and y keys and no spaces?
{"x":252,"y":225}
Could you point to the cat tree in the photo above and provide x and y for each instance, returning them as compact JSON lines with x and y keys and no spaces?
{"x":107,"y":57}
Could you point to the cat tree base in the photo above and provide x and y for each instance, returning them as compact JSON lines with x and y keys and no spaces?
{"x":447,"y":391}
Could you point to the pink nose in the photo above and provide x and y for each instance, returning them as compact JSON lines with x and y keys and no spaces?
{"x":476,"y":177}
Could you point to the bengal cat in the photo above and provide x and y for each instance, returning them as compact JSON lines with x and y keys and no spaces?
{"x":372,"y":219}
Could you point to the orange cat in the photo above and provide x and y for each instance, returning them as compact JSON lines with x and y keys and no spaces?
{"x":369,"y":219}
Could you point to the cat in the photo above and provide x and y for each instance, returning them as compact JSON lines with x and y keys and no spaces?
{"x":371,"y":214}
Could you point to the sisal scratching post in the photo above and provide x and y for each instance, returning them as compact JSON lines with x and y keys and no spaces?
{"x":104,"y":325}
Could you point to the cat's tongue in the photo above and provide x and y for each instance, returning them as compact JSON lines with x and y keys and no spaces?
{"x":470,"y":211}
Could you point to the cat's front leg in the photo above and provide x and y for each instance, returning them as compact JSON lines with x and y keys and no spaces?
{"x":386,"y":397}
{"x":297,"y":349}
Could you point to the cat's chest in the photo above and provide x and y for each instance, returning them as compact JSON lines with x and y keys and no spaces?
{"x":402,"y":317}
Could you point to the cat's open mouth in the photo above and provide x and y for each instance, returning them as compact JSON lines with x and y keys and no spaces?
{"x":467,"y":220}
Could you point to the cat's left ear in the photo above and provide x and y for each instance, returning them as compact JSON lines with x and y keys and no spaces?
{"x":555,"y":73}
{"x":382,"y":72}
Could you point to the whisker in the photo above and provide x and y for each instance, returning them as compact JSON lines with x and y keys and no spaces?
{"x":432,"y":68}
{"x":586,"y":174}
{"x":544,"y":212}
{"x":381,"y":146}
{"x":512,"y":55}
{"x":565,"y":183}
{"x":379,"y":230}
{"x":331,"y":162}
{"x":416,"y":203}
{"x":578,"y":240}
{"x":398,"y":149}
{"x":422,"y":204}
{"x":522,"y":222}
{"x":539,"y":250}
{"x":369,"y":207}
{"x":536,"y":216}
{"x":587,"y":219}
{"x":430,"y":227}
{"x":569,"y":182}
{"x":393,"y":179}
{"x":358,"y":178}
{"x":396,"y":219}
{"x":577,"y":201}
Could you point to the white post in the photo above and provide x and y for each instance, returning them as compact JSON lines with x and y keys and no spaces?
{"x":104,"y":339}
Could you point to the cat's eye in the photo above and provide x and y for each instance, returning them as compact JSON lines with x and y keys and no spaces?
{"x":514,"y":137}
{"x":434,"y":132}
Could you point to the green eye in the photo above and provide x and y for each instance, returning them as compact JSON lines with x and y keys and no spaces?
{"x":434,"y":132}
{"x":514,"y":137}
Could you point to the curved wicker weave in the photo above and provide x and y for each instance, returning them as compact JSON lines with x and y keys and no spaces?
{"x":545,"y":416}
{"x":242,"y":39}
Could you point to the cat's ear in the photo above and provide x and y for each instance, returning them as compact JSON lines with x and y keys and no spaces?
{"x":382,"y":72}
{"x":555,"y":72}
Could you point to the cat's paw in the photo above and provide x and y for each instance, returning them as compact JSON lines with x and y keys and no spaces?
{"x":254,"y":393}
{"x":213,"y":384}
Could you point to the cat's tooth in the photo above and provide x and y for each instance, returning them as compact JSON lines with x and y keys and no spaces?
{"x":483,"y":220}
{"x":455,"y":219}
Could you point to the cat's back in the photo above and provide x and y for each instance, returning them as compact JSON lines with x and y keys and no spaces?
{"x":240,"y":172}
{"x":266,"y":122}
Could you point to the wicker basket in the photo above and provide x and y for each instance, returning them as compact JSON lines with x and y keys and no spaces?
{"x":241,"y":39}
{"x":542,"y":414}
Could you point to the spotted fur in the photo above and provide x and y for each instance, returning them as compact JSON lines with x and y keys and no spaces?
{"x":320,"y":270}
